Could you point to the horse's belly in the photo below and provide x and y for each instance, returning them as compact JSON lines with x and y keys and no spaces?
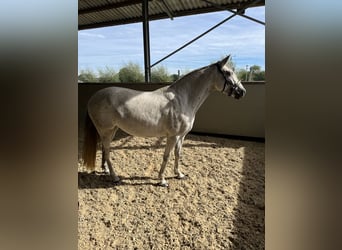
{"x":142,"y":123}
{"x":141,"y":129}
{"x":165,"y":126}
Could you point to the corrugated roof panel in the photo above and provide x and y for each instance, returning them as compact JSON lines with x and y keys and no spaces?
{"x":133,"y":11}
{"x":104,"y":16}
{"x":155,"y":8}
{"x":99,"y":13}
{"x":124,"y":12}
{"x":82,"y":4}
{"x":117,"y":13}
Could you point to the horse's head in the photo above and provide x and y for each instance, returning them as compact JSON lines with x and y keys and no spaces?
{"x":231,"y":85}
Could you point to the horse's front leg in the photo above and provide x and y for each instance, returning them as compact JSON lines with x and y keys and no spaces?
{"x":170,"y":144}
{"x":178,"y":150}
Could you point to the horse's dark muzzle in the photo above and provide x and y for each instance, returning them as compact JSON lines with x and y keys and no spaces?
{"x":239,"y":92}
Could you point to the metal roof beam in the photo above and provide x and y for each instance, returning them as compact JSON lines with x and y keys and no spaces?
{"x":164,"y":6}
{"x":235,"y":12}
{"x":206,"y":32}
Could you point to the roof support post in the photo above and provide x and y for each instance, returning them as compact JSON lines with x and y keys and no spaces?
{"x":146,"y":34}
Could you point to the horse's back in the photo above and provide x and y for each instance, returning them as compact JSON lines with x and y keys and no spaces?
{"x":110,"y":94}
{"x":116,"y":97}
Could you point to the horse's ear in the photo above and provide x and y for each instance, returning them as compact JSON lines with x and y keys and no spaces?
{"x":224,"y":61}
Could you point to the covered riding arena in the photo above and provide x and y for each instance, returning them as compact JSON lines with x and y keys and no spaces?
{"x":220,"y":205}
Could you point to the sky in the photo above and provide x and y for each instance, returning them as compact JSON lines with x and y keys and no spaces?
{"x":116,"y":46}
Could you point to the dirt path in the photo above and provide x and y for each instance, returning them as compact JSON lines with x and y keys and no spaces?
{"x":219,"y":206}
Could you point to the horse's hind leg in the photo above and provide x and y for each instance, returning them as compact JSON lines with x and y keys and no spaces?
{"x":106,"y":140}
{"x":178,"y":150}
{"x":103,"y":162}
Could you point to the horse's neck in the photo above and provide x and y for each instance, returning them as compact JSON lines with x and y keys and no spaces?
{"x":195,"y":88}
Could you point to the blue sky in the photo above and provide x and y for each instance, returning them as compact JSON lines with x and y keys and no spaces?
{"x":116,"y":46}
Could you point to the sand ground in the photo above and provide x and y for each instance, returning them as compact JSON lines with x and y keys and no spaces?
{"x":219,"y":206}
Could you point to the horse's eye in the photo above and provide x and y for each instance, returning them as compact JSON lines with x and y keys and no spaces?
{"x":228,"y":73}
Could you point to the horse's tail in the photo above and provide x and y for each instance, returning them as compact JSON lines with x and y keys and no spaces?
{"x":89,"y":144}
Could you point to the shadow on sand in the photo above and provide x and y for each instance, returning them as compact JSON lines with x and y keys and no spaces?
{"x":249,"y":214}
{"x":96,"y":180}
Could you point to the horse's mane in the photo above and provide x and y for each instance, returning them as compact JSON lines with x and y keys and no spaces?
{"x":190,"y":74}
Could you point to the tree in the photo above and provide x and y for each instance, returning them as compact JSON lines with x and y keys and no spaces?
{"x":160,"y":74}
{"x":242,"y":74}
{"x":131,"y":73}
{"x":255,"y":68}
{"x":260,"y":76}
{"x":254,"y":74}
{"x":174,"y":77}
{"x":108,"y":75}
{"x":87,"y":75}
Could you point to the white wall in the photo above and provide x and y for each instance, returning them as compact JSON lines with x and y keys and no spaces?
{"x":225,"y":115}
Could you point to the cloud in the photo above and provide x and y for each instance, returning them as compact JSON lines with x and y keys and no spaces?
{"x":90,"y":35}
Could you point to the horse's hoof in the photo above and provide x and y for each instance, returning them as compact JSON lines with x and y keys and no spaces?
{"x":163,"y":184}
{"x":116,"y":179}
{"x":182,"y":177}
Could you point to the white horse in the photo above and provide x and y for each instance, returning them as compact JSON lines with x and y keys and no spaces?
{"x":166,"y":112}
